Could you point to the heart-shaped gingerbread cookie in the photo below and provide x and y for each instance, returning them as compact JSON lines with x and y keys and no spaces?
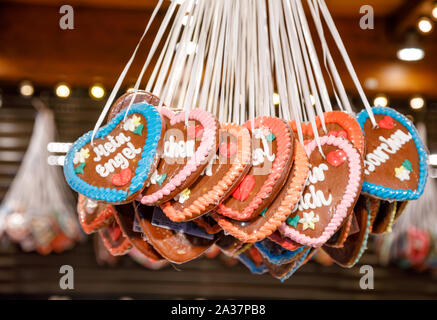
{"x":395,"y":165}
{"x":277,"y":212}
{"x":125,"y":215}
{"x":286,"y":270}
{"x":218,"y":179}
{"x":93,"y":215}
{"x":114,"y":239}
{"x":176,"y":247}
{"x":187,"y":150}
{"x":355,"y":245}
{"x":272,"y":156}
{"x":338,"y":124}
{"x":115,"y":168}
{"x":331,"y":191}
{"x":276,"y":254}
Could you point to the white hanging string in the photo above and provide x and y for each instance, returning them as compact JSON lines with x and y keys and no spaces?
{"x":308,"y":66}
{"x":313,"y":56}
{"x":297,"y":56}
{"x":122,"y":76}
{"x":329,"y":21}
{"x":343,"y":102}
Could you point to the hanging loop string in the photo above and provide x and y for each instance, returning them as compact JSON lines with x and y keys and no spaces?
{"x":123,"y":75}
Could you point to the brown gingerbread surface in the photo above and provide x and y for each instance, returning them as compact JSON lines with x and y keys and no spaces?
{"x":176,"y":247}
{"x":124,"y":214}
{"x":388,"y":148}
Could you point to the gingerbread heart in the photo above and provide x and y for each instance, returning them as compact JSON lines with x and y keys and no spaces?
{"x":277,"y":212}
{"x":276,"y":254}
{"x":355,"y":244}
{"x":284,"y":242}
{"x":338,"y":124}
{"x":125,"y":215}
{"x":273,"y":145}
{"x":330,"y":193}
{"x":339,"y":238}
{"x":90,"y":167}
{"x":395,"y":165}
{"x":218,"y":179}
{"x":176,"y":247}
{"x":116,"y":245}
{"x":93,"y":215}
{"x":184,"y":158}
{"x":286,"y":270}
{"x":252,"y":259}
{"x":385,"y":217}
{"x":139,"y":97}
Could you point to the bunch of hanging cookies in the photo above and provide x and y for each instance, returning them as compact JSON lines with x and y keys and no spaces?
{"x":269,"y":192}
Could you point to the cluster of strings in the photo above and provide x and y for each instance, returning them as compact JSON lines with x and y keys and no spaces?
{"x":229,"y":57}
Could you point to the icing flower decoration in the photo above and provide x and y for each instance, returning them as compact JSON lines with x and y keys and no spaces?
{"x":134,"y":124}
{"x":403,"y":172}
{"x":136,"y":120}
{"x":81,"y":156}
{"x":308,"y":220}
{"x":184,"y":195}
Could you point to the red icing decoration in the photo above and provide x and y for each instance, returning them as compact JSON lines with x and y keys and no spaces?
{"x":195,"y":131}
{"x":243,"y":190}
{"x":122,"y":178}
{"x":386,"y":123}
{"x":227,"y":149}
{"x":115,"y":232}
{"x":340,"y":133}
{"x":336,"y":158}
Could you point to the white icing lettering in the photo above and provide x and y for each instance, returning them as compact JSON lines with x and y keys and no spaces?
{"x":391,"y":146}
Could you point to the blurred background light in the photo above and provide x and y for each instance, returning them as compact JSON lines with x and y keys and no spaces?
{"x":97,"y":91}
{"x":380,"y":100}
{"x":417,"y":102}
{"x":26,"y":88}
{"x":62,"y":90}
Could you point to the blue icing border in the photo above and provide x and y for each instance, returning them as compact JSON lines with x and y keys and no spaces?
{"x":398,"y":194}
{"x":153,"y":119}
{"x":284,"y":257}
{"x":296,"y":266}
{"x":251,"y":265}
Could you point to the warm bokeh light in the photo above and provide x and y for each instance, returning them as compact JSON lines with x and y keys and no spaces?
{"x":434,"y":11}
{"x":411,"y":54}
{"x":97,"y":91}
{"x":26,"y":88}
{"x":63,"y":90}
{"x":425,"y":25}
{"x":417,"y":102}
{"x":381,"y":100}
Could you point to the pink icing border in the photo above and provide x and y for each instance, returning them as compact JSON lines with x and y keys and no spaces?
{"x":352,"y":188}
{"x":206,"y":144}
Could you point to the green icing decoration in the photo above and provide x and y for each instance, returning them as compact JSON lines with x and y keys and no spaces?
{"x":79,"y":168}
{"x":161,"y":178}
{"x":270,"y":137}
{"x":293,"y":221}
{"x":139,"y":129}
{"x":263,"y":212}
{"x":407,"y":165}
